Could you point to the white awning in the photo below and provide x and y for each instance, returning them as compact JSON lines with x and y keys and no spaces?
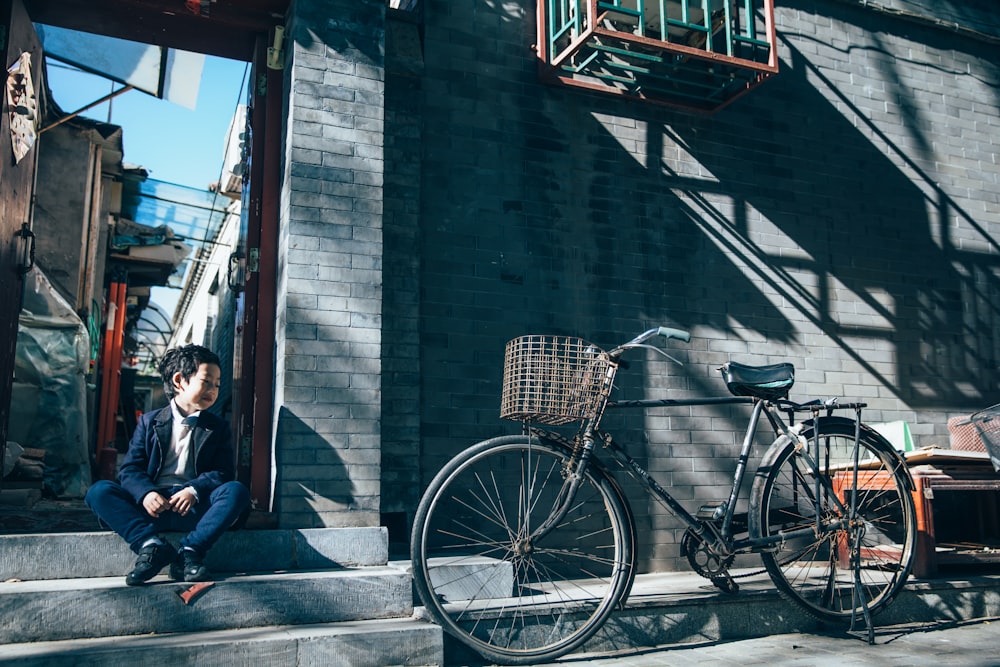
{"x":168,"y":74}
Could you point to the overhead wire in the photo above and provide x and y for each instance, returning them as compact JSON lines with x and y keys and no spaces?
{"x":198,"y":268}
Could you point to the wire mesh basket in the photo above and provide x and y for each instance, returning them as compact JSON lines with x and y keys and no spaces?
{"x":554,"y":379}
{"x":987,"y":423}
{"x":963,"y":435}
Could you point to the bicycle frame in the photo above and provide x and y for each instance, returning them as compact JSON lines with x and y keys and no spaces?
{"x":724,"y":536}
{"x":722,"y":540}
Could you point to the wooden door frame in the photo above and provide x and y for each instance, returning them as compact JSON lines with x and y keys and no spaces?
{"x":253,"y":401}
{"x":17,"y":185}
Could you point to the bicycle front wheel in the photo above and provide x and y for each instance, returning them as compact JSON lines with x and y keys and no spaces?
{"x":488,"y":576}
{"x":844,"y":546}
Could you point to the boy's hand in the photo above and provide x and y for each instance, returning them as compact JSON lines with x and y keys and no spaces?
{"x":155,"y":504}
{"x":182,"y":501}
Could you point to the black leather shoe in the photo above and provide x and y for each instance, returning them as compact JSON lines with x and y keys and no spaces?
{"x":151,"y":560}
{"x":188,"y":566}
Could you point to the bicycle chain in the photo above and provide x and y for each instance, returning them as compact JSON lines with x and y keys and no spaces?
{"x":762,"y":570}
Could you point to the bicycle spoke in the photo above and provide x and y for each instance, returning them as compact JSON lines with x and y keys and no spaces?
{"x":497,"y":571}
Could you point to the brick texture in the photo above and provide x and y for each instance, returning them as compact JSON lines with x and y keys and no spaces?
{"x":328,"y":375}
{"x":842,"y":217}
{"x":439,"y":201}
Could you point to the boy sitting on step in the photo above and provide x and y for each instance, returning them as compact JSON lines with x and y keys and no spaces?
{"x":177,"y":476}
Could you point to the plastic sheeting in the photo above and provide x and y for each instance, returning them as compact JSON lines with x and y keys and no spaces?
{"x":49,"y":397}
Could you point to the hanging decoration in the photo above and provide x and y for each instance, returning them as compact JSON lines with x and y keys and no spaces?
{"x":21,"y":104}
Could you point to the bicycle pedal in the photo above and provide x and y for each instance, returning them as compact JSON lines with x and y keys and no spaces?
{"x":726,"y":584}
{"x":712,"y":511}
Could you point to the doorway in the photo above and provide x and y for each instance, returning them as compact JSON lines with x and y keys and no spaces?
{"x":235,"y":30}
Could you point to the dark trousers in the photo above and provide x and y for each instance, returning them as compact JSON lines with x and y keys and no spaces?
{"x":204,"y":524}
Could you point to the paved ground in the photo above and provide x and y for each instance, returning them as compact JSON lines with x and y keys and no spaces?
{"x":969,"y":644}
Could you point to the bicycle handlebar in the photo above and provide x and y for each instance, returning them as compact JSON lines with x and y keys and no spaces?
{"x":638,"y":341}
{"x":667,"y":332}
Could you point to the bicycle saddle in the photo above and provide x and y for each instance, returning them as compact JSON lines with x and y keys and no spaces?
{"x":766,"y":382}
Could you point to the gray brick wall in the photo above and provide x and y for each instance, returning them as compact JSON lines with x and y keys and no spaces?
{"x":843,"y":217}
{"x":328,"y":371}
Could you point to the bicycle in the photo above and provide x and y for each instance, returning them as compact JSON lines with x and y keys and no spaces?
{"x":523,"y":545}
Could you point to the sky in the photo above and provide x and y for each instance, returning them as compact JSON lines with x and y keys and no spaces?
{"x":173,"y":143}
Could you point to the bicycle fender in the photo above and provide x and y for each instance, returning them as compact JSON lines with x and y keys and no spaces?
{"x":559,"y":439}
{"x":878,"y":441}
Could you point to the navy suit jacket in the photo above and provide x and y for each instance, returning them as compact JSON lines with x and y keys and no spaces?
{"x":211,"y":441}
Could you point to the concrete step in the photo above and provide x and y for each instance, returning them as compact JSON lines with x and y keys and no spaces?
{"x":58,"y":609}
{"x":326,"y":584}
{"x":305,"y":597}
{"x":404,"y":642}
{"x":104,"y":554}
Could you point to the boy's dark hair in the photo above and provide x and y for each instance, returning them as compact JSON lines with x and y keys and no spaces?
{"x":184,"y":360}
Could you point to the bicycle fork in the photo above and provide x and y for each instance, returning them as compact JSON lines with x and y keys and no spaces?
{"x":564,"y":500}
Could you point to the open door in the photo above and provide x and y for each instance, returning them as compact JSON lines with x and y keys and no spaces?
{"x":253,"y":366}
{"x":17,"y":179}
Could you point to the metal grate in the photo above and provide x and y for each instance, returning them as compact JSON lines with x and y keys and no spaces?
{"x":692,"y":54}
{"x":554,"y":379}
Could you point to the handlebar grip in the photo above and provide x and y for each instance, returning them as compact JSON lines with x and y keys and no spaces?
{"x":667,"y":332}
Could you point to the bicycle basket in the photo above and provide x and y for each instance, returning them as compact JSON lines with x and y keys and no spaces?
{"x":553,"y":379}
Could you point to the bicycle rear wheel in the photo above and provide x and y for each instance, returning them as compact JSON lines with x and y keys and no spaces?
{"x":842,"y":562}
{"x":482,"y":574}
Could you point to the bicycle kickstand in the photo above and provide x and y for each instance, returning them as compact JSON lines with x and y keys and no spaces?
{"x":859,"y":592}
{"x":860,"y":595}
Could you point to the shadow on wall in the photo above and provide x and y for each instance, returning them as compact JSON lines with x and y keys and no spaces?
{"x":792,"y":222}
{"x":880,"y":257}
{"x":311,"y":478}
{"x":351,"y":27}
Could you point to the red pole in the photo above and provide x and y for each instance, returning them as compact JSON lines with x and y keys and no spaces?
{"x":109,"y":327}
{"x":114,"y":338}
{"x":116,"y":362}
